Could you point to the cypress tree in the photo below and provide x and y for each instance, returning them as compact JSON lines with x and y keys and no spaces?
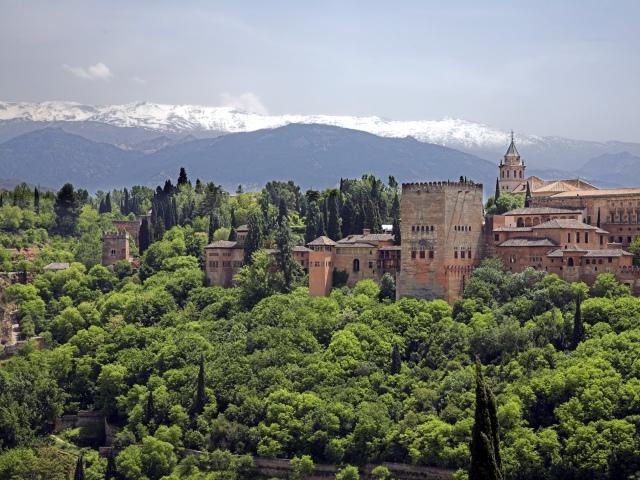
{"x":182,"y":177}
{"x":395,"y":215}
{"x":578,"y":326}
{"x":36,"y":200}
{"x":315,"y":224}
{"x":107,"y":202}
{"x":282,"y":210}
{"x":200,"y":398}
{"x":144,"y":236}
{"x":486,"y":463}
{"x":284,"y":255}
{"x":397,"y":237}
{"x":79,"y":472}
{"x":198,"y":188}
{"x":333,"y":217}
{"x":212,"y":228}
{"x":234,"y":222}
{"x":150,"y":408}
{"x":527,"y":196}
{"x":598,"y":220}
{"x":396,"y":360}
{"x":255,"y":236}
{"x":1,"y":200}
{"x":348,"y":216}
{"x":496,"y":195}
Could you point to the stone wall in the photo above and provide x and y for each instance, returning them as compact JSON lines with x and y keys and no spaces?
{"x":442,"y":238}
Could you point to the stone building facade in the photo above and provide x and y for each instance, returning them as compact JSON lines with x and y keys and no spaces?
{"x":115,"y":247}
{"x":442,"y":238}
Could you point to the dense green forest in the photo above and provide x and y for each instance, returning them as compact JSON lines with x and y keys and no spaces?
{"x":263,"y":369}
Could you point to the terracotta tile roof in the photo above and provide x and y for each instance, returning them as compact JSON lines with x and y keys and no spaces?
{"x":223,"y":244}
{"x":566,"y":223}
{"x":608,"y":252}
{"x":391,"y":247}
{"x":373,"y":238}
{"x":541,"y":211}
{"x":56,"y":266}
{"x":323,"y":240}
{"x":528,"y":242}
{"x":512,"y":229}
{"x":355,"y":245}
{"x":301,"y":248}
{"x":598,"y":193}
{"x":242,"y":228}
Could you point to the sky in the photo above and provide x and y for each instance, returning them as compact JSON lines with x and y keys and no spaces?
{"x":567,"y":68}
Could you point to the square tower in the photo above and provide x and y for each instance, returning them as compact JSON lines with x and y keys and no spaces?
{"x":115,"y":247}
{"x":442,"y":234}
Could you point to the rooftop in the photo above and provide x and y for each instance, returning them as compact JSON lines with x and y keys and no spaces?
{"x":605,"y":252}
{"x":598,"y":193}
{"x":242,"y":228}
{"x":301,"y":248}
{"x":541,"y":211}
{"x":56,"y":266}
{"x":223,"y":244}
{"x":528,"y":242}
{"x":566,"y":223}
{"x":323,"y":240}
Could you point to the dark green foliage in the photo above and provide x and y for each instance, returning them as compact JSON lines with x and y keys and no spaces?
{"x":396,"y":360}
{"x":67,"y":208}
{"x":527,"y":196}
{"x":284,"y":255}
{"x":255,"y":236}
{"x":387,"y":288}
{"x":110,"y":472}
{"x":496,"y":195}
{"x":486,"y":463}
{"x":315,"y":222}
{"x":339,"y":278}
{"x":200,"y":398}
{"x":598,"y":219}
{"x":36,"y":201}
{"x":214,"y":225}
{"x":578,"y":326}
{"x":333,"y":216}
{"x":144,"y":237}
{"x":150,"y":409}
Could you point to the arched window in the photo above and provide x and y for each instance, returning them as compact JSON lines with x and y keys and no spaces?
{"x":570,"y":262}
{"x":356,"y":265}
{"x":520,"y":173}
{"x":520,"y":222}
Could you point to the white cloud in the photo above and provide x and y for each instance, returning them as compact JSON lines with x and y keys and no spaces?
{"x":99,"y":71}
{"x":247,"y":102}
{"x":139,"y":81}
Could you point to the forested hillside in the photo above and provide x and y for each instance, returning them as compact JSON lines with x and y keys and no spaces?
{"x":264,"y":370}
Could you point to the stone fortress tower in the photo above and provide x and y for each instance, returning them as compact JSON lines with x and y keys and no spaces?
{"x":512,"y":169}
{"x":115,"y":247}
{"x":442,"y":238}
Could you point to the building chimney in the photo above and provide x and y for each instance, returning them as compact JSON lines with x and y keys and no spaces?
{"x":366,"y":231}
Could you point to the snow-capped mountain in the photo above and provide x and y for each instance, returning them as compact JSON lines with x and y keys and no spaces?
{"x":183,"y":118}
{"x":129,"y":124}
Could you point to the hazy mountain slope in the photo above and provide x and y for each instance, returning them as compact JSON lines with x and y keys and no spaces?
{"x":52,"y":156}
{"x":620,"y":169}
{"x":315,"y":156}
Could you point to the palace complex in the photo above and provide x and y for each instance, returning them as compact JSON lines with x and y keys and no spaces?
{"x":568,"y":227}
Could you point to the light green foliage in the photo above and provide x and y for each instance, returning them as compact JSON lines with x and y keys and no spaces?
{"x":348,"y":473}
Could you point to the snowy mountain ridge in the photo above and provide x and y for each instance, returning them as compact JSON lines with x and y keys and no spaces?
{"x":183,"y":118}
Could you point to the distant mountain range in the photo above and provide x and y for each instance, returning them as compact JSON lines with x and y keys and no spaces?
{"x":106,"y":146}
{"x":311,"y":155}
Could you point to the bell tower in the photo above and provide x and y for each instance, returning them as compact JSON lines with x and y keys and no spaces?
{"x":511,"y":169}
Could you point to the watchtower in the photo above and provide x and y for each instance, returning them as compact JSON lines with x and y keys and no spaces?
{"x":115,"y":247}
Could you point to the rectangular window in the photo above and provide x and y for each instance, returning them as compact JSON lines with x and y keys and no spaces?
{"x":431,"y":254}
{"x":421,"y":253}
{"x":577,"y":237}
{"x":569,"y":237}
{"x":455,"y":254}
{"x":462,"y":254}
{"x":413,"y":254}
{"x":496,"y":237}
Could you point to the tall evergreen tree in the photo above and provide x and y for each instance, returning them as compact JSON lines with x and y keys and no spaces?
{"x":214,"y":225}
{"x":144,"y":236}
{"x":198,"y":188}
{"x":107,"y":203}
{"x":150,"y":408}
{"x":79,"y":471}
{"x":182,"y":177}
{"x":67,"y":208}
{"x":284,"y":255}
{"x":598,"y":220}
{"x":234,"y":222}
{"x":200,"y":398}
{"x":282,"y":210}
{"x":333,"y":216}
{"x":486,"y":463}
{"x":36,"y":200}
{"x":578,"y":325}
{"x":315,"y":224}
{"x":1,"y":199}
{"x":496,"y":195}
{"x":348,"y":214}
{"x":395,"y":220}
{"x":396,"y":360}
{"x":255,"y":236}
{"x":527,"y":196}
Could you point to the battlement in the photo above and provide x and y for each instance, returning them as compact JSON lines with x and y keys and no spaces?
{"x":443,"y":185}
{"x":119,"y":235}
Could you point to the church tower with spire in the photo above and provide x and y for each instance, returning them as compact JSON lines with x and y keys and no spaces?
{"x":511,"y":169}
